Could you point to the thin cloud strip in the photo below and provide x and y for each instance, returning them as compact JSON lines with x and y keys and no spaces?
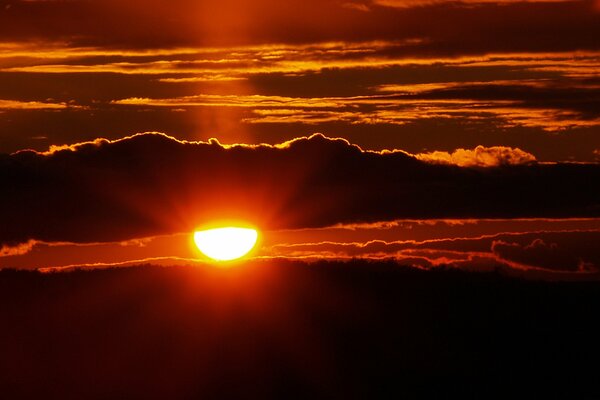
{"x":275,"y":59}
{"x":425,"y":3}
{"x":552,"y":114}
{"x":558,"y":251}
{"x":33,"y":105}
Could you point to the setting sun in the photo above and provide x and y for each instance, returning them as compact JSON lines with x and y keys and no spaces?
{"x":225,"y":244}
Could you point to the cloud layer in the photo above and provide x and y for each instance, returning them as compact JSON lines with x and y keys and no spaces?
{"x":420,"y":75}
{"x":379,"y":94}
{"x":571,"y":251}
{"x":151,"y":184}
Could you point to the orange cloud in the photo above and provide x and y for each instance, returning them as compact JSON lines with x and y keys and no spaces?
{"x":33,"y":105}
{"x":480,"y":157}
{"x":241,"y":61}
{"x":18,"y":249}
{"x":252,"y":101}
{"x":569,"y":95}
{"x":389,"y":109}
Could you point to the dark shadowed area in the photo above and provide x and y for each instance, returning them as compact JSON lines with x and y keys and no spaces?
{"x":294,"y":330}
{"x":152,"y":184}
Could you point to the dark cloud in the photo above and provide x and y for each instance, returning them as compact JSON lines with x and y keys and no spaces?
{"x":574,"y":97}
{"x":521,"y":26}
{"x":37,"y":129}
{"x":151,"y":184}
{"x":574,"y":252}
{"x":551,"y":251}
{"x":336,"y":330}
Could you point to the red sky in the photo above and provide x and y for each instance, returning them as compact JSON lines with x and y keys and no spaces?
{"x":489,"y":109}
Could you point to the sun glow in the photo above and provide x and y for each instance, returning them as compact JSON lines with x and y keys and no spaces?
{"x":226,"y":244}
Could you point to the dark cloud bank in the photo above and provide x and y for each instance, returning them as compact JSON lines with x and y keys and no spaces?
{"x":151,"y":184}
{"x":447,"y":27}
{"x":279,"y":329}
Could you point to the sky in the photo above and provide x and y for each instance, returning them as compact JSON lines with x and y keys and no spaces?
{"x":461,"y":133}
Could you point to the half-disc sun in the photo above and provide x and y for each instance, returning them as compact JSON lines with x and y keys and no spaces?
{"x":225,"y":244}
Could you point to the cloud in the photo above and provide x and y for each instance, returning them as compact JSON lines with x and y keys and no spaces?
{"x":374,"y":83}
{"x":234,"y":22}
{"x":377,"y":109}
{"x":550,"y":104}
{"x":33,"y":105}
{"x":480,"y":156}
{"x":151,"y":184}
{"x":552,"y":251}
{"x":237,"y":62}
{"x":8,"y":250}
{"x":573,"y":253}
{"x":426,"y":3}
{"x":356,"y":6}
{"x":251,"y":101}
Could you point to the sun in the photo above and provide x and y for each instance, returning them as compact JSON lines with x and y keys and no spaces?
{"x":227,"y":243}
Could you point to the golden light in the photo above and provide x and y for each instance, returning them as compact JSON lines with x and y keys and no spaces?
{"x":226,"y":244}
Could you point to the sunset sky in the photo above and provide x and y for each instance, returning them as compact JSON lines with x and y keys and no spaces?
{"x":461,"y":133}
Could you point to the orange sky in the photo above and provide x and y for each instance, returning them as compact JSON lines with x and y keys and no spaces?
{"x":473,"y":88}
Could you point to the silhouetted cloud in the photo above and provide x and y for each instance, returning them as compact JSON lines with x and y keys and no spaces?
{"x":151,"y":184}
{"x":574,"y":252}
{"x":558,"y":251}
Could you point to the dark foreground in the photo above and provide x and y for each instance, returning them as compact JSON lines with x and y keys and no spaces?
{"x":285,"y":330}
